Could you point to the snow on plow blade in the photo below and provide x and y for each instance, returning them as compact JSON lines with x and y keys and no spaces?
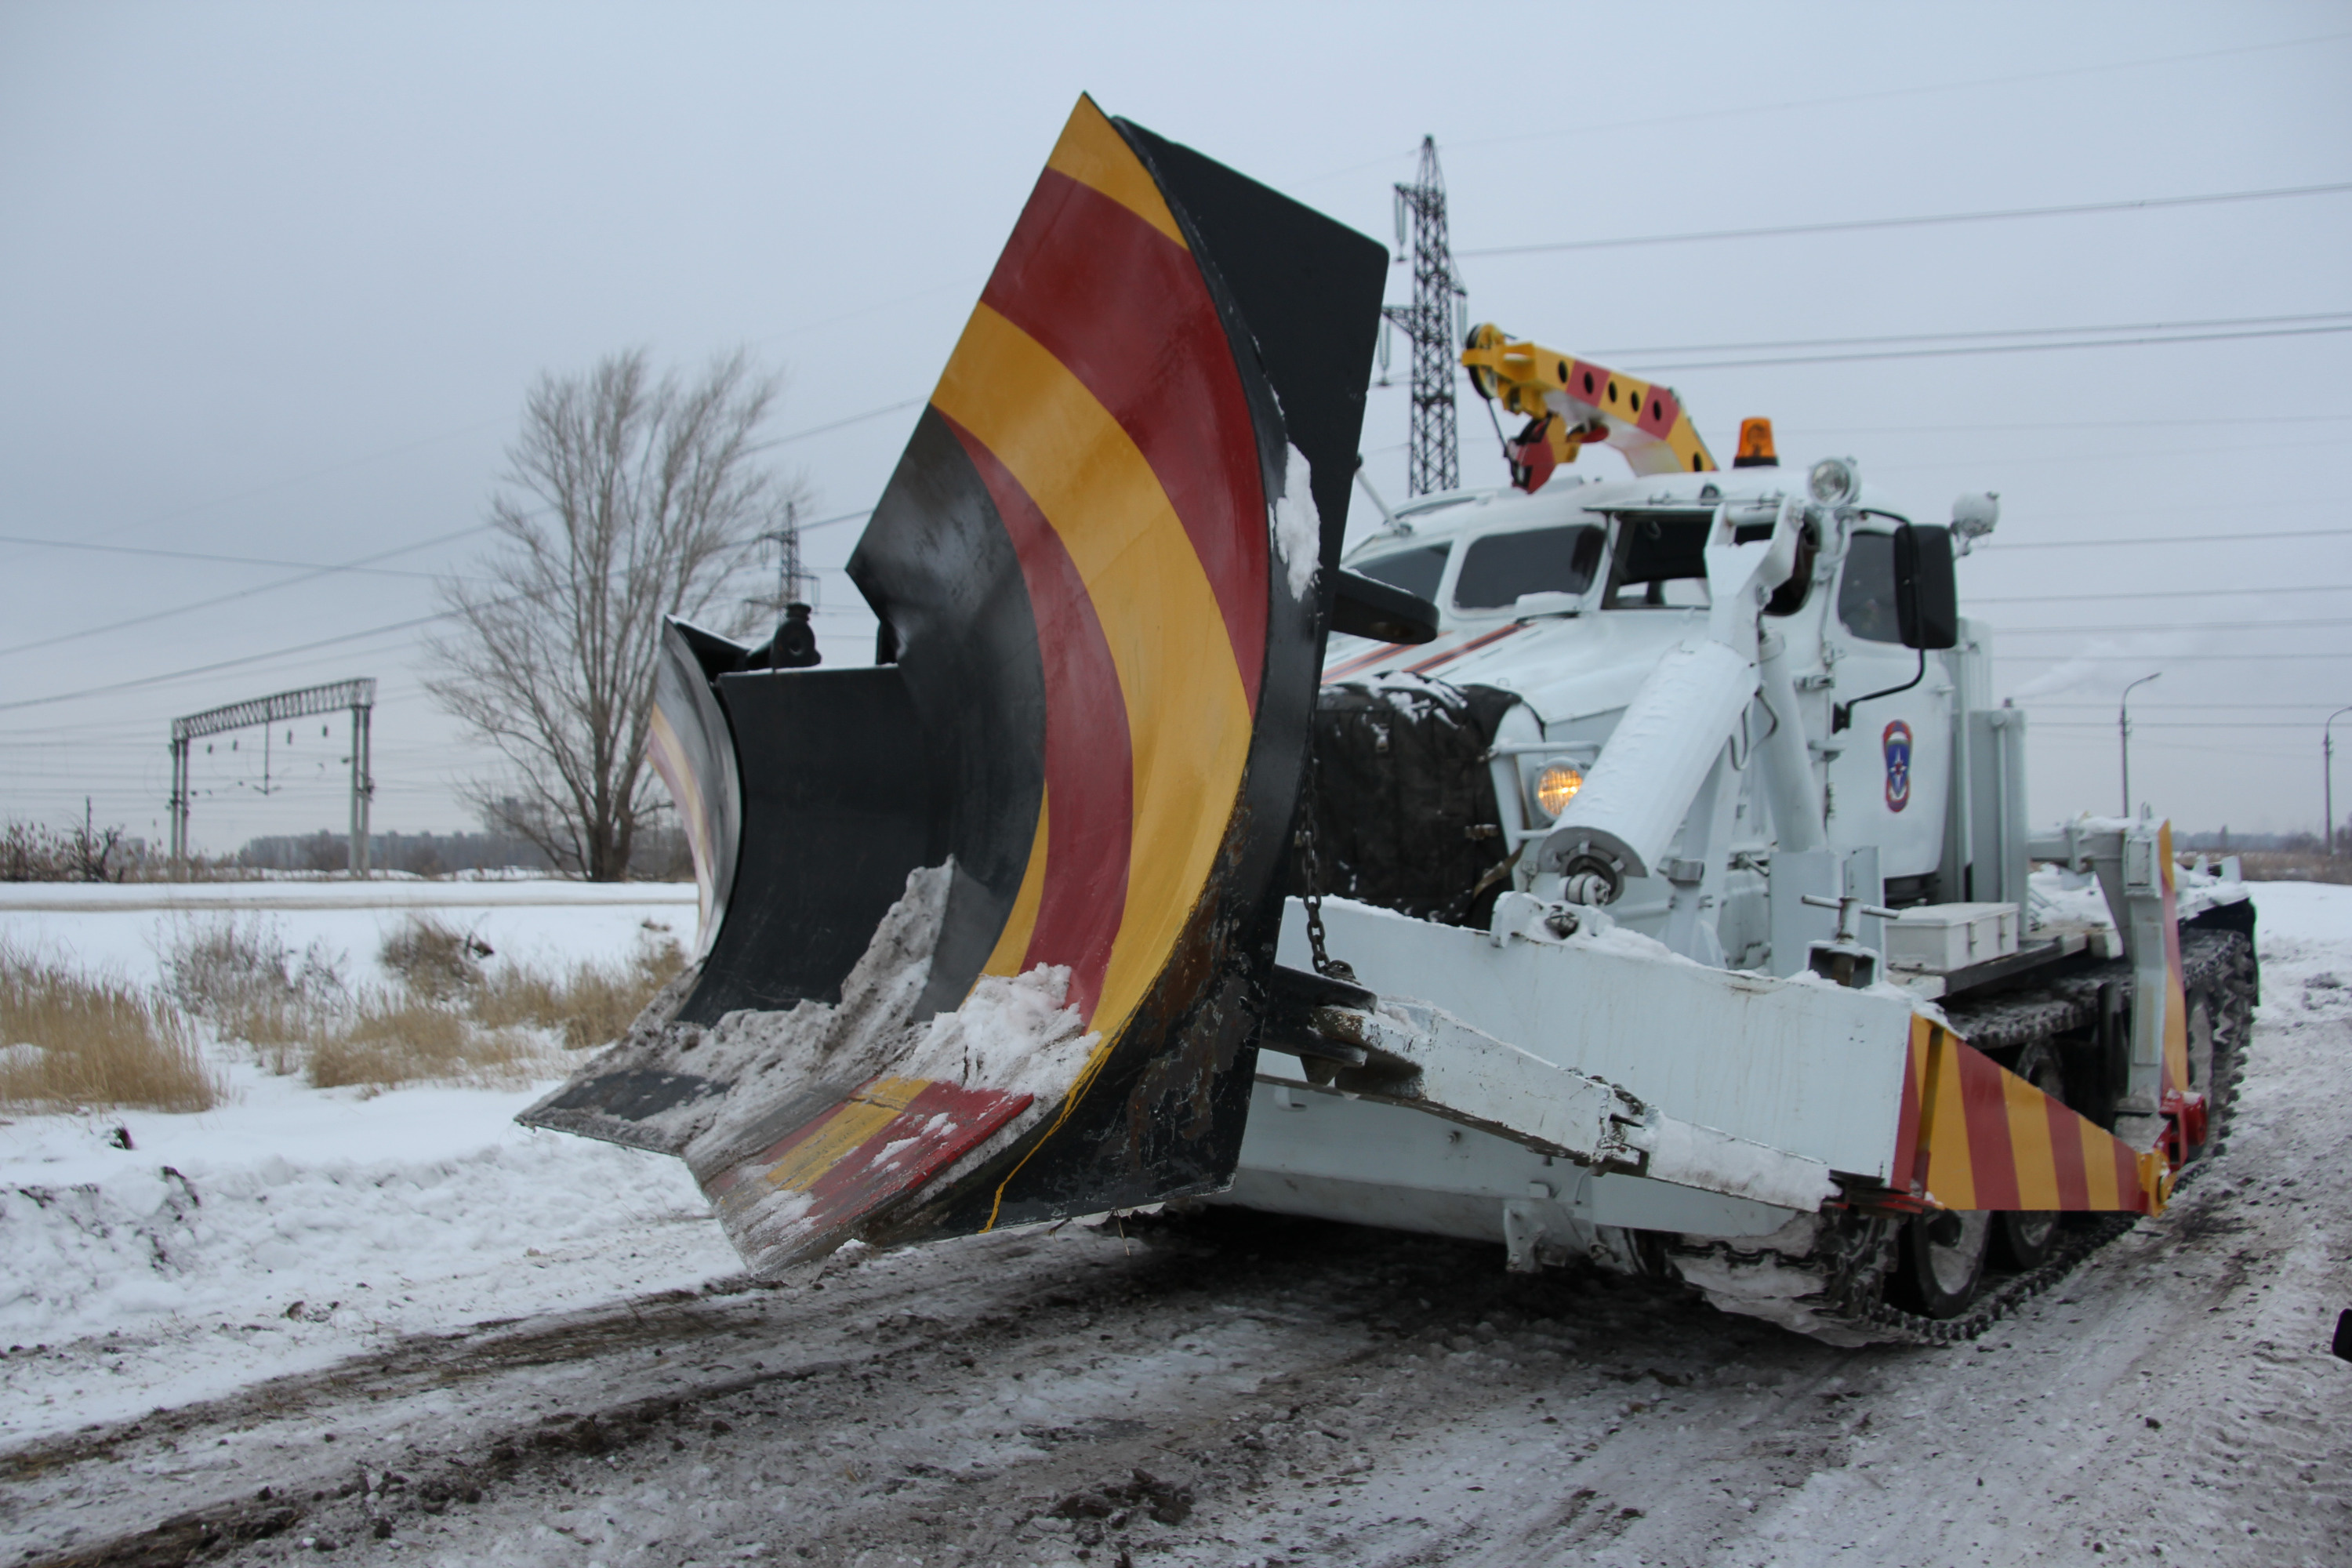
{"x":988,"y":925}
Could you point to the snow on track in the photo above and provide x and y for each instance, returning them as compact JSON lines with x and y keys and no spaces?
{"x":1234,"y":1389}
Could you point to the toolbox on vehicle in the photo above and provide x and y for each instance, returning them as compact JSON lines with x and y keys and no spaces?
{"x":1943,"y":937}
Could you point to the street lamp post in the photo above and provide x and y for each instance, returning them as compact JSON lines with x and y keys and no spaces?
{"x":2327,"y":773}
{"x":2123,"y":728}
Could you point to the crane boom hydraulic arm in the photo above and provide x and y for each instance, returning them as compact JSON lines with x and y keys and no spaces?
{"x":1568,"y":402}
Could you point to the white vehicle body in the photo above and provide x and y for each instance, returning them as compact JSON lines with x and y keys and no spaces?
{"x":1575,"y":658}
{"x":1696,"y":988}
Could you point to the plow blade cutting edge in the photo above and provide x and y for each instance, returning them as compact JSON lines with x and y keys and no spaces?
{"x":988,"y":926}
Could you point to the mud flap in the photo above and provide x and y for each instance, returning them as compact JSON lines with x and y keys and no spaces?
{"x":991,"y":943}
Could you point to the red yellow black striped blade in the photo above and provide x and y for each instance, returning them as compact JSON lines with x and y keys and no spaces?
{"x":827,"y":1163}
{"x":1104,"y":569}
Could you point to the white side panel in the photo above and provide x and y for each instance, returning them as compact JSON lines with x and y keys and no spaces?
{"x":1806,"y":1067}
{"x":1329,"y":1157}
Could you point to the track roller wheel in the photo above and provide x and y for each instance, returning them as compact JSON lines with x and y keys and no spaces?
{"x":1940,"y":1261}
{"x":2028,"y":1239}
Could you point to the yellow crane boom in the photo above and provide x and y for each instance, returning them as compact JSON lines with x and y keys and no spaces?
{"x":1569,"y":401}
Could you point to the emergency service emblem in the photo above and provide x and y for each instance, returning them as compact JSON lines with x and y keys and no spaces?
{"x":1896,"y":743}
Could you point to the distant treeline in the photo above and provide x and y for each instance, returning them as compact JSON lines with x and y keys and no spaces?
{"x":2225,"y":842}
{"x":659,"y":852}
{"x":423,"y":854}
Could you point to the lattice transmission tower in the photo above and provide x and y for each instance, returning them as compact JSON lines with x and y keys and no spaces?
{"x":1435,"y":323}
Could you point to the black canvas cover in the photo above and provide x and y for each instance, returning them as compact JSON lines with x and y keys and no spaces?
{"x":1404,"y":811}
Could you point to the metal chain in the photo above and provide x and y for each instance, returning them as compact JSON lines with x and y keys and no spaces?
{"x":1310,"y":865}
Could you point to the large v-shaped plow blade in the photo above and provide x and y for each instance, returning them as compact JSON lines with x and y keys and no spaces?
{"x":989,"y":925}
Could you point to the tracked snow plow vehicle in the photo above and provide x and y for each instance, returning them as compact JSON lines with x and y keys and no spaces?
{"x":1632,"y":871}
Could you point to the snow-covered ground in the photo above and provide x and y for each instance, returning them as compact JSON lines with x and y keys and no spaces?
{"x":291,"y":1227}
{"x":126,"y":927}
{"x":403,"y":1326}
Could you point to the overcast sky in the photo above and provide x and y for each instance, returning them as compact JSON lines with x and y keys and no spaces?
{"x":273,"y":281}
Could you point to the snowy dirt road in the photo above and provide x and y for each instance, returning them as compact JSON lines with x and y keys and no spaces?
{"x":1229,"y":1389}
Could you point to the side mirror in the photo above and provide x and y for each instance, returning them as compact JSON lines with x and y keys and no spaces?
{"x":1365,"y":606}
{"x":1926,"y":597}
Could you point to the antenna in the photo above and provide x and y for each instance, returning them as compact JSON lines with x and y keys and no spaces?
{"x":1434,"y":324}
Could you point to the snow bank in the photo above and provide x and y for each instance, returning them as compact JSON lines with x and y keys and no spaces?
{"x":294,"y":1226}
{"x":291,"y":1226}
{"x":124,"y":929}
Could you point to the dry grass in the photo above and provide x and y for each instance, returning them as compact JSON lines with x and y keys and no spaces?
{"x":588,"y":1004}
{"x":447,"y":1017}
{"x":434,"y":959}
{"x":2295,"y":866}
{"x":68,"y":1041}
{"x":239,"y":975}
{"x":395,"y":1038}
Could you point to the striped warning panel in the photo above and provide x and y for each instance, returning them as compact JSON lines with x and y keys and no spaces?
{"x":1975,"y":1136}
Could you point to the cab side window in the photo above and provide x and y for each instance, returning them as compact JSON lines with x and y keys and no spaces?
{"x":1866,"y":589}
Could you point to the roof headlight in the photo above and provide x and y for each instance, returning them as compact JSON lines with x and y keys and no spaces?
{"x":1834,"y":481}
{"x":1555,"y":785}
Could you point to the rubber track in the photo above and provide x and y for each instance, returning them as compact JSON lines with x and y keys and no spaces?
{"x":1852,"y":1285}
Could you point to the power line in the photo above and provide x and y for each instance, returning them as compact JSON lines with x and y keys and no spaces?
{"x":155,"y":615}
{"x":1989,"y":547}
{"x":2095,"y":330}
{"x":1854,"y":224}
{"x":2169,"y":658}
{"x":2156,"y":594}
{"x":845,"y":516}
{"x":2006,"y":349}
{"x":1979,"y":460}
{"x":2174,"y":626}
{"x":841,"y":424}
{"x":2075,"y":425}
{"x":304,"y":477}
{"x":224,"y":664}
{"x":5,"y":707}
{"x":177,"y":675}
{"x":315,"y":567}
{"x":2140,"y":724}
{"x":1649,"y":123}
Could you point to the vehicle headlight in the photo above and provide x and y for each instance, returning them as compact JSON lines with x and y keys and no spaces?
{"x":1555,"y":786}
{"x":1834,"y":481}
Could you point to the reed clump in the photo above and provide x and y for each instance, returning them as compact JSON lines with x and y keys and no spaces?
{"x":70,"y":1041}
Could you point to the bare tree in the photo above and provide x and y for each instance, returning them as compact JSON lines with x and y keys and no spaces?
{"x":628,"y":497}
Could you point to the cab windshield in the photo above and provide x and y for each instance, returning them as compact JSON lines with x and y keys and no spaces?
{"x":1498,"y":569}
{"x":1661,"y":561}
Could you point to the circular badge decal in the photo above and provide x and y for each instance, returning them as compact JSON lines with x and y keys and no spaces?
{"x":1896,"y":743}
